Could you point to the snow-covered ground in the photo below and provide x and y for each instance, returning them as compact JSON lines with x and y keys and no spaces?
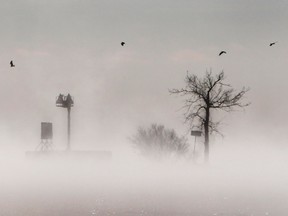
{"x":239,"y":185}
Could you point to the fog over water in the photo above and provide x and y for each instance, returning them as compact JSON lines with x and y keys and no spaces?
{"x":246,"y":181}
{"x":73,"y":46}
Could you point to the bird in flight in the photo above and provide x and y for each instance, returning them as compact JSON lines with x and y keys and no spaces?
{"x":222,"y":52}
{"x":122,"y":43}
{"x":273,"y":43}
{"x":12,"y":64}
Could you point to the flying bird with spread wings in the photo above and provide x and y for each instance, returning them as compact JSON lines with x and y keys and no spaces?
{"x":273,"y":43}
{"x":122,"y":43}
{"x":12,"y":64}
{"x":222,"y":52}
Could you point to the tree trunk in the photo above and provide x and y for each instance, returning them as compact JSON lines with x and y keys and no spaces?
{"x":206,"y":132}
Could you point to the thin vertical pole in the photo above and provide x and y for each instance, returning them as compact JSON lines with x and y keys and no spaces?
{"x":194,"y":146}
{"x":68,"y":131}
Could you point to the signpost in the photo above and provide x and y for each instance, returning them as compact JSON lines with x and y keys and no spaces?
{"x":196,"y":134}
{"x":46,"y":137}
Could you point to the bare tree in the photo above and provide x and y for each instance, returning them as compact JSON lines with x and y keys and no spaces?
{"x":157,"y":142}
{"x":204,"y":94}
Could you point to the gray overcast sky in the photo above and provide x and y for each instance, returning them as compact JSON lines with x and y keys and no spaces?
{"x":74,"y":46}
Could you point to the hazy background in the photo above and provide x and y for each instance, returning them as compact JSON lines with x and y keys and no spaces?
{"x":74,"y":47}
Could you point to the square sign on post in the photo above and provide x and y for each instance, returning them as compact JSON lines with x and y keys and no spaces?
{"x":46,"y":130}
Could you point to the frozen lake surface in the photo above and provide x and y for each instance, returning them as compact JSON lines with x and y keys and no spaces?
{"x":128,"y":188}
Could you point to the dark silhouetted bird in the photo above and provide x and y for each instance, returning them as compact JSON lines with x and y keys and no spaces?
{"x":222,"y":52}
{"x":273,"y":43}
{"x":11,"y":64}
{"x":122,"y":43}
